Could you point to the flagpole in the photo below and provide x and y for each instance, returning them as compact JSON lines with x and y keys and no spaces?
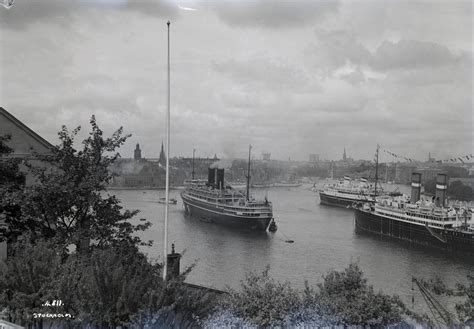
{"x":167,"y":190}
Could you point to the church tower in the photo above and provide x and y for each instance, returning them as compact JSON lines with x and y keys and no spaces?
{"x":344,"y":155}
{"x":138,"y":153}
{"x":162,"y":159}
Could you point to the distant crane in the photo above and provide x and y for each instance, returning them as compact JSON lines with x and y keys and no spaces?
{"x":441,"y":316}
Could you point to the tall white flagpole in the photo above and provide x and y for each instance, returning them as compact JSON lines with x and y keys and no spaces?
{"x":167,"y":191}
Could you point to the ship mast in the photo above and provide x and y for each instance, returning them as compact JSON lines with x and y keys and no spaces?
{"x":248,"y":175}
{"x":194,"y":150}
{"x":167,"y":190}
{"x":376,"y":168}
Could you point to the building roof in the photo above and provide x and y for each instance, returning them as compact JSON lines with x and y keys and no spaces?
{"x":25,"y":128}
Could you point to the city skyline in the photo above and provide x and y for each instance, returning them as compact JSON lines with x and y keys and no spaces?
{"x":292,"y":79}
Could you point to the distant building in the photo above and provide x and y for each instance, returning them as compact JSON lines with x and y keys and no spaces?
{"x":162,"y":158}
{"x":430,"y":159}
{"x":314,"y":158}
{"x":266,"y":156}
{"x":137,"y":155}
{"x":25,"y":143}
{"x":345,"y":158}
{"x":403,"y":172}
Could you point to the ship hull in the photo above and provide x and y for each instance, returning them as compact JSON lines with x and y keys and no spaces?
{"x":446,"y":239}
{"x":209,"y":213}
{"x":337,"y":201}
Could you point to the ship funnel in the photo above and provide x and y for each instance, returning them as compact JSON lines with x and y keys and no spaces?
{"x":441,"y":187}
{"x":220,"y":178}
{"x":211,"y":180}
{"x":415,"y":187}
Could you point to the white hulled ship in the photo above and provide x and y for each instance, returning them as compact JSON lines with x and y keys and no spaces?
{"x":347,"y":192}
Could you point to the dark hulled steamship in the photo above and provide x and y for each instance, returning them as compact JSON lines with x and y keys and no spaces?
{"x":215,"y":201}
{"x":426,"y":222}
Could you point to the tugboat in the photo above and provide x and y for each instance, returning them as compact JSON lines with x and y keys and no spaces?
{"x":170,"y":201}
{"x":217,"y":202}
{"x":426,"y":222}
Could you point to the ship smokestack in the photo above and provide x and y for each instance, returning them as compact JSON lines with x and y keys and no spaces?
{"x":211,"y":179}
{"x":415,"y":187}
{"x":441,"y":187}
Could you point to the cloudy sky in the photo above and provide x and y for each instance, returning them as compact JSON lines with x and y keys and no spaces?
{"x":289,"y":77}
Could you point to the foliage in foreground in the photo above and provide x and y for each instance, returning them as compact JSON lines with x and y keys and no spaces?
{"x":343,"y":298}
{"x":68,"y":202}
{"x":463,"y":294}
{"x":108,"y":287}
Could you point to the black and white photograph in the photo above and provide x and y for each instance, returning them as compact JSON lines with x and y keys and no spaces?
{"x":236,"y":164}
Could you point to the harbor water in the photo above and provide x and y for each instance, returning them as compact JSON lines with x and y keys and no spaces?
{"x":324,"y":240}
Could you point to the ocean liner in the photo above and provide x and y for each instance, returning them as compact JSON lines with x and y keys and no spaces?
{"x":346,"y":193}
{"x":425,"y":222}
{"x":215,"y":201}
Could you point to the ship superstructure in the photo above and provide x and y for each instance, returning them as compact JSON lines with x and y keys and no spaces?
{"x":215,"y":201}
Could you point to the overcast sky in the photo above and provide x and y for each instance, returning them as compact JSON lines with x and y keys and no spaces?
{"x":289,"y":77}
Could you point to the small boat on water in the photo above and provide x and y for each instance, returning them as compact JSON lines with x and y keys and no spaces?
{"x":170,"y":201}
{"x":286,"y":184}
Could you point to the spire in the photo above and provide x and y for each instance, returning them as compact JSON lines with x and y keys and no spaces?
{"x":344,"y":155}
{"x":162,"y":158}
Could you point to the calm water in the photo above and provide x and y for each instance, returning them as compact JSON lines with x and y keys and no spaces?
{"x":324,"y":239}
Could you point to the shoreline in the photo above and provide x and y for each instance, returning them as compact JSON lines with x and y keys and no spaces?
{"x":143,"y":188}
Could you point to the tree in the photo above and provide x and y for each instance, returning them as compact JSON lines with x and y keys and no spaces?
{"x":262,"y":301}
{"x":460,"y":191}
{"x":69,"y":200}
{"x":23,"y":280}
{"x":107,"y":287}
{"x":11,"y":179}
{"x":345,"y":298}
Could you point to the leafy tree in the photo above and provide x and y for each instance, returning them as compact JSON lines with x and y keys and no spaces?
{"x":23,"y":280}
{"x":456,"y":190}
{"x":455,"y":171}
{"x":69,"y":200}
{"x":11,"y":179}
{"x":261,"y":301}
{"x":460,"y":191}
{"x":110,"y":286}
{"x":345,"y":298}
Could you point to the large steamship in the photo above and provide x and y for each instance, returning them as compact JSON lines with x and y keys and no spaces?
{"x":215,"y":201}
{"x":426,"y":222}
{"x":349,"y":192}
